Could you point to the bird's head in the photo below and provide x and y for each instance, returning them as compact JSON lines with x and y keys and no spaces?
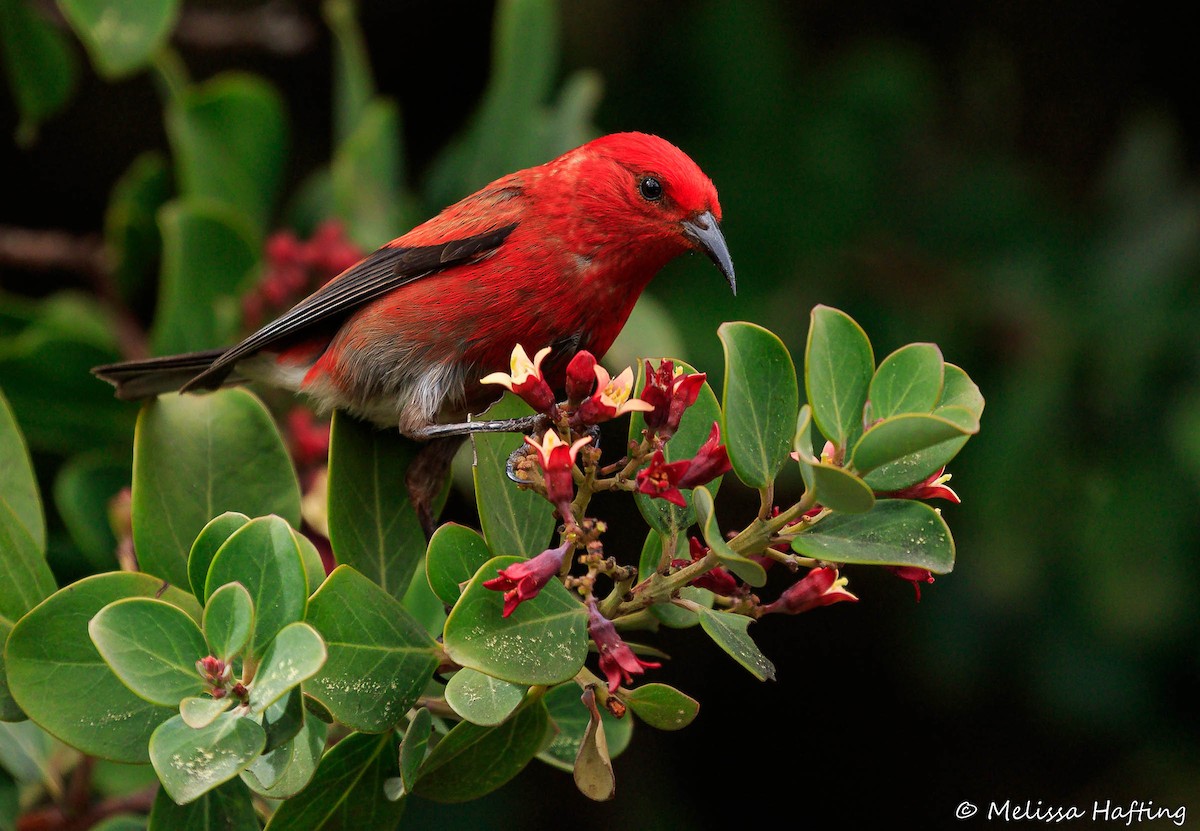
{"x":654,"y":191}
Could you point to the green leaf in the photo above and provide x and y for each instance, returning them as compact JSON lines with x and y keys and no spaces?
{"x":694,"y":428}
{"x":131,"y":234}
{"x":907,"y":381}
{"x":593,"y":771}
{"x":206,"y":545}
{"x":834,"y":487}
{"x":45,"y":372}
{"x":571,"y":716}
{"x":263,"y":556}
{"x":671,"y":615}
{"x":197,"y":456}
{"x":83,"y":489}
{"x":353,"y":84}
{"x":229,"y":139}
{"x":482,"y":699}
{"x":425,"y":606}
{"x":310,"y":557}
{"x":514,"y":521}
{"x":209,"y":259}
{"x":228,"y":621}
{"x":226,"y":808}
{"x":499,"y":139}
{"x":38,"y":63}
{"x":283,"y":719}
{"x":908,"y":433}
{"x":20,"y":501}
{"x":749,"y":570}
{"x":152,"y":646}
{"x":958,"y":391}
{"x":49,"y":652}
{"x":471,"y":761}
{"x":838,"y":367}
{"x":728,"y":631}
{"x":365,"y":174}
{"x":760,"y":401}
{"x":201,"y":711}
{"x":27,"y":578}
{"x":190,"y":762}
{"x":296,"y":654}
{"x":660,"y":706}
{"x":121,"y":822}
{"x":286,"y":770}
{"x":896,"y":532}
{"x":372,"y":524}
{"x":123,"y":36}
{"x":346,"y":792}
{"x":26,"y":752}
{"x":544,"y":641}
{"x":379,"y":657}
{"x":455,"y":553}
{"x":414,"y":747}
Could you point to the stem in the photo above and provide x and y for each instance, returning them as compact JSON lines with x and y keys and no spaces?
{"x":766,"y":498}
{"x":658,"y":587}
{"x":756,"y":537}
{"x":171,"y":74}
{"x":609,"y":605}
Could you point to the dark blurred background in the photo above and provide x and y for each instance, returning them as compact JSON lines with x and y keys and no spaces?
{"x":1016,"y":182}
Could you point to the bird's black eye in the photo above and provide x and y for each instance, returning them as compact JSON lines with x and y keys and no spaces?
{"x":650,"y":188}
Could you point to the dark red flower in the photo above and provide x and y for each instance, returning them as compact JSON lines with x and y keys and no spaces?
{"x":820,"y":587}
{"x":670,"y":393}
{"x":522,"y":581}
{"x":914,"y":575}
{"x":933,"y":487}
{"x":617,"y":661}
{"x":660,"y":479}
{"x":710,"y":461}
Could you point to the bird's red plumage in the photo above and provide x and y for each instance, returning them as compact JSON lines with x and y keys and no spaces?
{"x":555,"y":255}
{"x":584,"y":247}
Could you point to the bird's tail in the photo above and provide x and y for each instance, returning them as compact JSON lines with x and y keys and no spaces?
{"x":154,"y":376}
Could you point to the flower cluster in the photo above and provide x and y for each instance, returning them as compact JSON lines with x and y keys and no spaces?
{"x":566,"y":476}
{"x":295,"y":267}
{"x":217,"y":675}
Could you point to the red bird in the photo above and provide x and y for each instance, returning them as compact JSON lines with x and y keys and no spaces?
{"x":555,"y":255}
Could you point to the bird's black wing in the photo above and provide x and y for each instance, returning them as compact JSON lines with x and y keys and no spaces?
{"x":383,"y":271}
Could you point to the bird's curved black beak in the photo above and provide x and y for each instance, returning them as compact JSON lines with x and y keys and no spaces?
{"x":706,"y":232}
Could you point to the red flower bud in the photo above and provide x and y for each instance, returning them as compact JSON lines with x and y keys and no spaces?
{"x":581,"y":377}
